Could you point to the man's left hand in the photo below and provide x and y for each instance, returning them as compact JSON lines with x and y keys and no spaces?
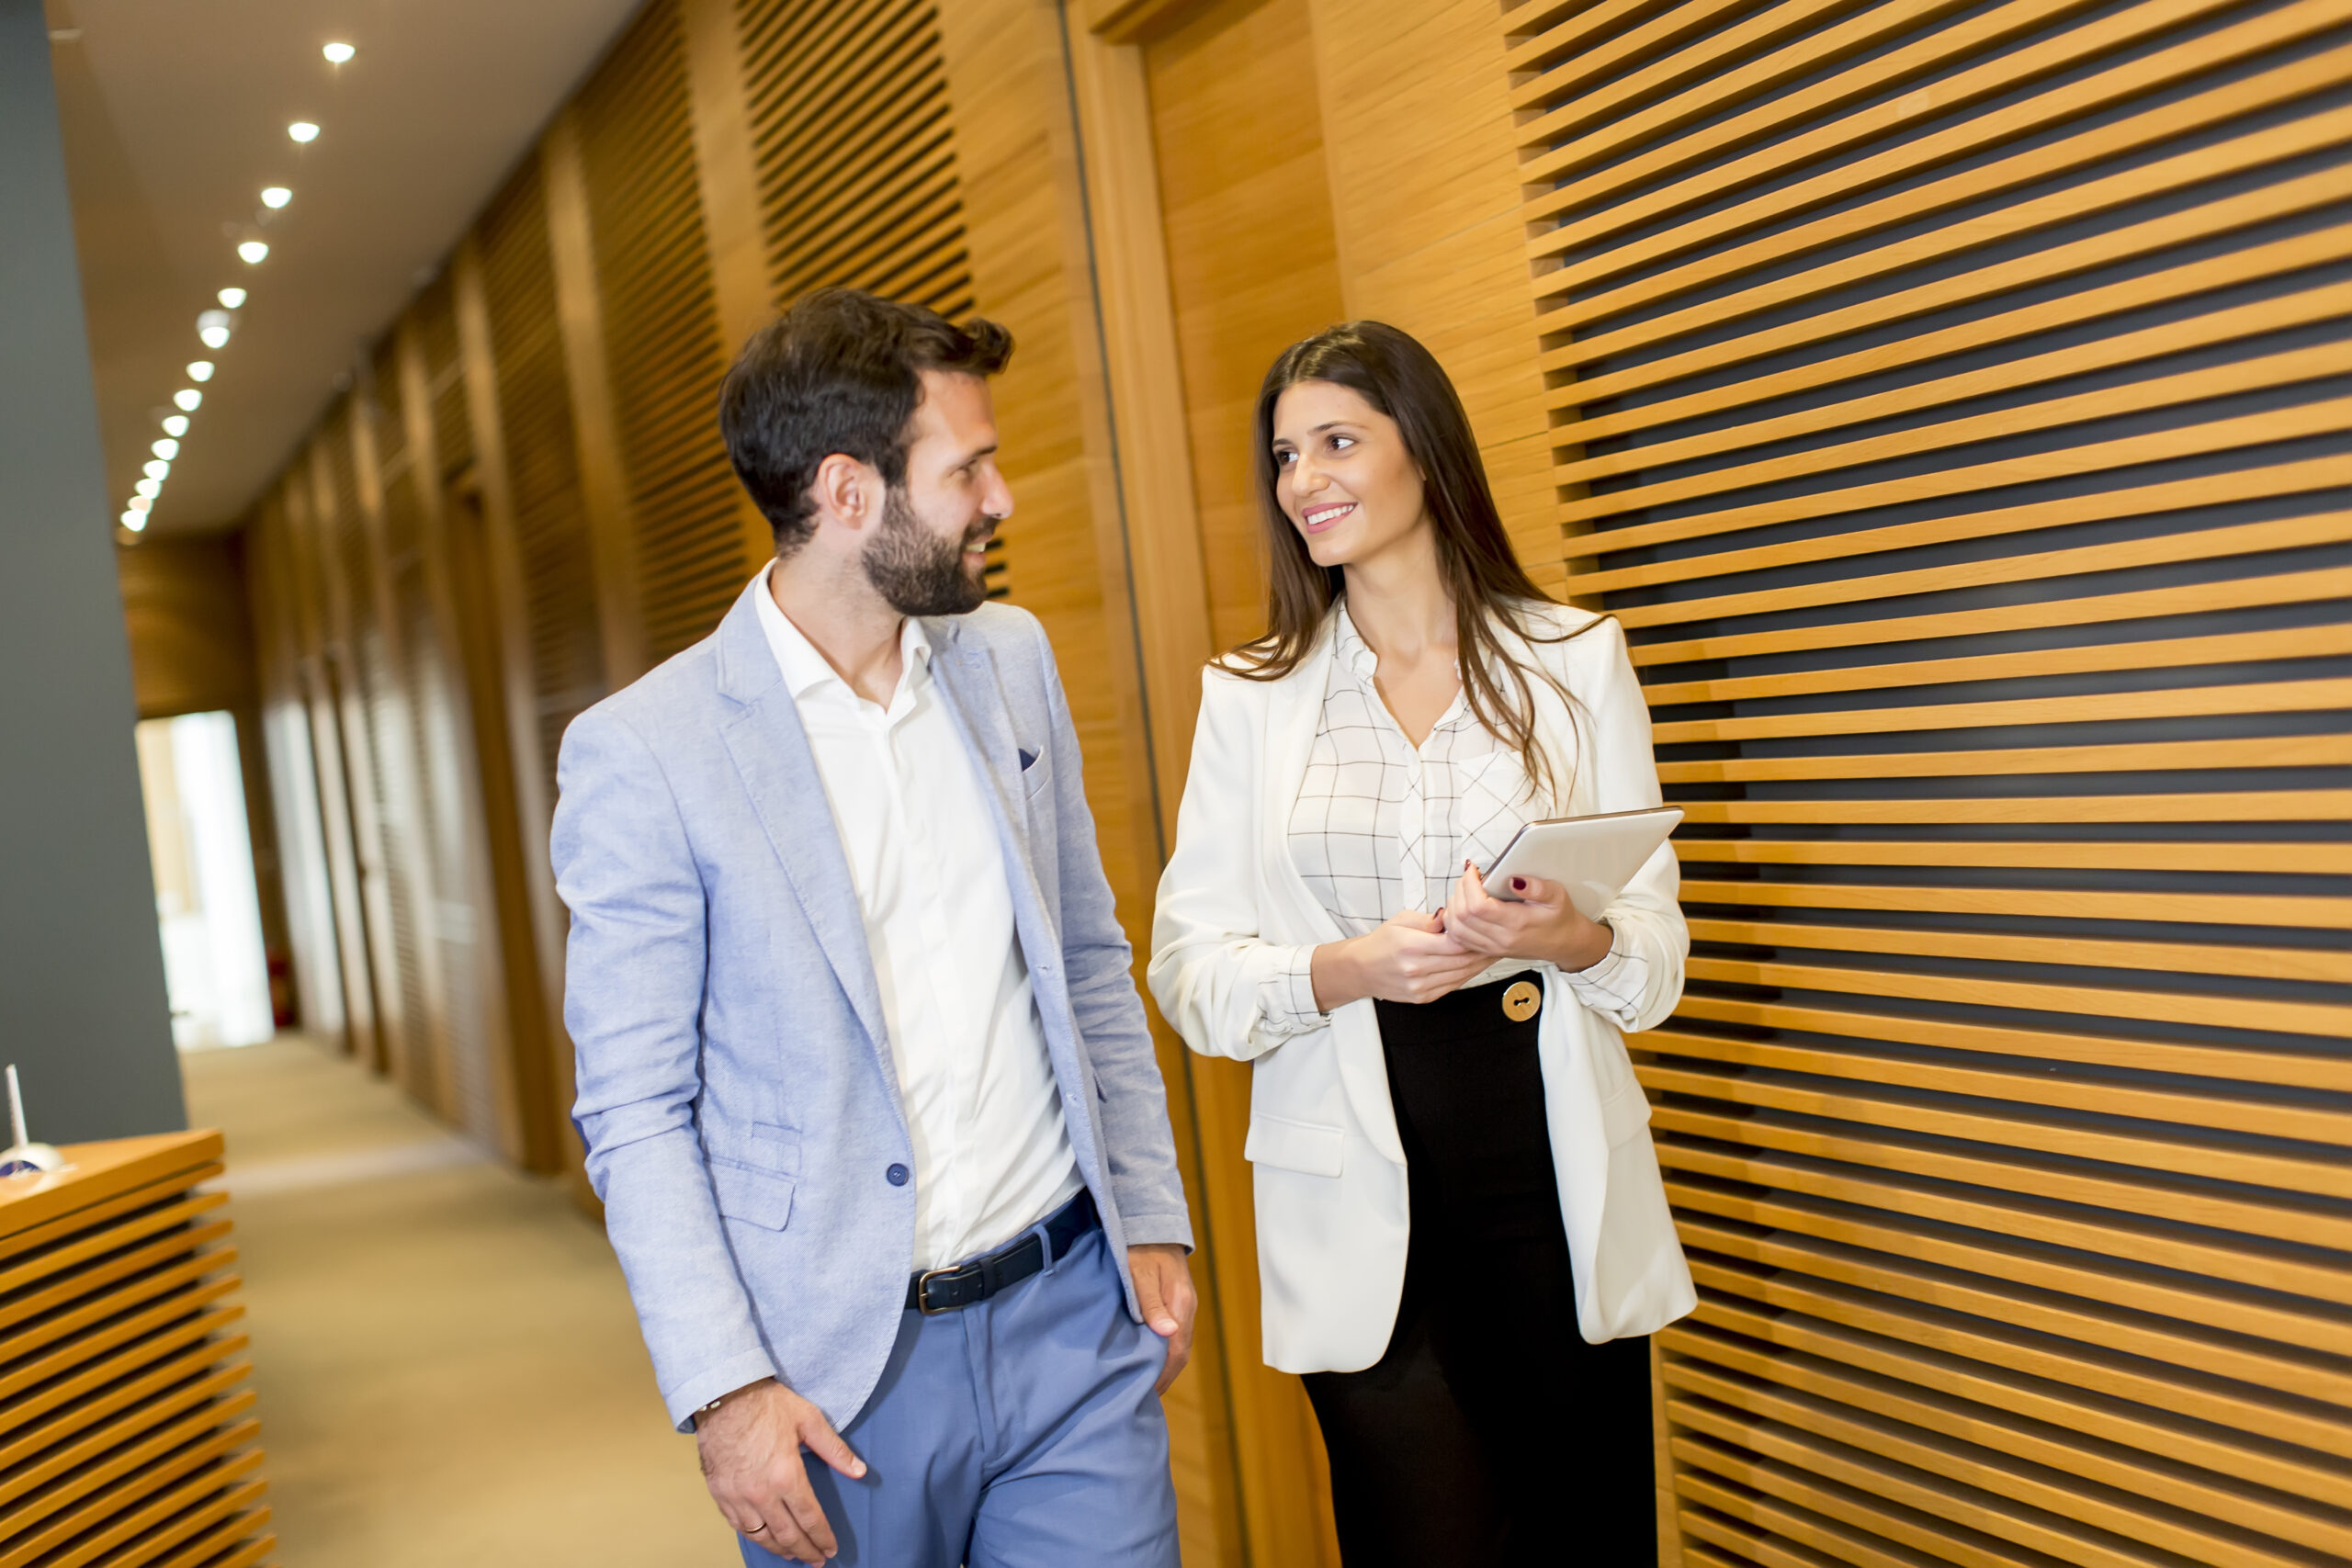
{"x":1164,"y":1290}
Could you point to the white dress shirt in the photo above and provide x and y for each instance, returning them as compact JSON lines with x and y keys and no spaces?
{"x":1382,"y":826}
{"x":992,"y":1152}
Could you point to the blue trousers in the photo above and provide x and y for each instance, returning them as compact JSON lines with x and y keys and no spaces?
{"x":1019,"y":1433}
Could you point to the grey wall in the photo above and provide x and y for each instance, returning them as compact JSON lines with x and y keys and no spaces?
{"x":82,"y":1008}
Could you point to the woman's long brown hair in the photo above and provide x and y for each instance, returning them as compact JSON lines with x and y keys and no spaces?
{"x":1390,"y":370}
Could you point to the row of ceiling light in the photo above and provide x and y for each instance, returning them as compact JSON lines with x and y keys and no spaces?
{"x":212,"y":328}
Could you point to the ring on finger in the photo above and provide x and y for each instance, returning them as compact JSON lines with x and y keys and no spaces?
{"x":757,"y":1528}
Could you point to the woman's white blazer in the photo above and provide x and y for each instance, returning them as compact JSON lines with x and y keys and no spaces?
{"x":1326,"y":1162}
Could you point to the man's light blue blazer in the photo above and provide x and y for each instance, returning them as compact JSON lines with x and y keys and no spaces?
{"x":736,"y":1092}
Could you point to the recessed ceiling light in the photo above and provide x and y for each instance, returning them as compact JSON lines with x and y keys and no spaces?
{"x":214,"y":337}
{"x":302,"y":131}
{"x":233,"y":298}
{"x":158,"y":469}
{"x":134,"y":521}
{"x":275,"y":195}
{"x":166,"y":448}
{"x":148,"y":488}
{"x":201,"y":370}
{"x":252,"y":252}
{"x":188,"y":398}
{"x":140,"y":503}
{"x":176,"y":424}
{"x":338,"y":53}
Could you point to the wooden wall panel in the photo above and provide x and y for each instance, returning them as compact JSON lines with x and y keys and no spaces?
{"x":1253,"y":260}
{"x":306,"y":601}
{"x":403,"y":696}
{"x":1425,"y":202}
{"x":489,"y":566}
{"x":192,"y":646}
{"x":662,"y":338}
{"x":1950,"y":406}
{"x":315,"y":976}
{"x":856,"y":168}
{"x":855,"y":171}
{"x":358,"y":680}
{"x":542,"y":468}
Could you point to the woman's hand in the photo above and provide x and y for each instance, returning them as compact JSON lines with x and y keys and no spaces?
{"x":1409,"y":958}
{"x":1543,"y":925}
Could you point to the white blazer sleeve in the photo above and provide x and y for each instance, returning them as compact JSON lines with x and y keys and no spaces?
{"x":1653,"y":940}
{"x":1228,"y":992}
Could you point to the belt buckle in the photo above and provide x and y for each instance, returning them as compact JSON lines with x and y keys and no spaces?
{"x":923,"y":1291}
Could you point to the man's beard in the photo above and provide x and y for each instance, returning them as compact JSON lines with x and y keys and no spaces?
{"x":918,"y":573}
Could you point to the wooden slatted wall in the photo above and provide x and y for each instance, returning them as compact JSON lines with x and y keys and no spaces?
{"x":857,"y":167}
{"x":543,"y":464}
{"x":661,"y":312}
{"x":1954,"y":410}
{"x":436,"y":313}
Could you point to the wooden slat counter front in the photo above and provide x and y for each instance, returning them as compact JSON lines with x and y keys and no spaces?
{"x":125,"y":1437}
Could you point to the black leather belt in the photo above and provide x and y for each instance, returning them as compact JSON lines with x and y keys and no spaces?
{"x":966,"y":1284}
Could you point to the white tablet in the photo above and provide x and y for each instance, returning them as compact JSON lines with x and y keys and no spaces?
{"x":1593,"y":857}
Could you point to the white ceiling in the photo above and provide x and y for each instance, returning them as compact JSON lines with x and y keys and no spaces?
{"x":175,"y":116}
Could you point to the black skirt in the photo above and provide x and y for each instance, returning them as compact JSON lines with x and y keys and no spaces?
{"x":1490,"y":1432}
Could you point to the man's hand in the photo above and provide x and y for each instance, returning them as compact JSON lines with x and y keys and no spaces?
{"x":1541,"y":923}
{"x":1164,"y":1290}
{"x":751,"y":1461}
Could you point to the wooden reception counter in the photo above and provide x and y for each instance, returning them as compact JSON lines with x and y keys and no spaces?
{"x":124,"y":1436}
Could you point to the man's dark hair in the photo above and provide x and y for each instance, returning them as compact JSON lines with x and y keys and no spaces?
{"x":840,"y":371}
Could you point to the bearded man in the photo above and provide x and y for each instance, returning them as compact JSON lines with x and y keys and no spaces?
{"x":864,"y":1081}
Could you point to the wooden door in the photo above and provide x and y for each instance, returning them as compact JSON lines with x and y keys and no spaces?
{"x":1252,"y":264}
{"x":529,"y":1069}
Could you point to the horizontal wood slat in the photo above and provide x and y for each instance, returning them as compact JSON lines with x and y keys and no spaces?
{"x":1950,"y":404}
{"x":125,"y":1434}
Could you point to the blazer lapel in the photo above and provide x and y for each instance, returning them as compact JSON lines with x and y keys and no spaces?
{"x":779,"y":771}
{"x":967,"y":687}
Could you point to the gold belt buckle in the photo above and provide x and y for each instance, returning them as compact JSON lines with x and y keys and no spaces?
{"x":1521,"y":999}
{"x":923,"y":1291}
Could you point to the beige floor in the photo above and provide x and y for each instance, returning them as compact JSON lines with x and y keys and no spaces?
{"x":448,"y":1369}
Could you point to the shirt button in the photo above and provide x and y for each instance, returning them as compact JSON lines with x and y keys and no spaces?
{"x":895,"y":1175}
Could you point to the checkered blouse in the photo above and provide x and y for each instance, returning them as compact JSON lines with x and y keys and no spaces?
{"x":1381,"y":826}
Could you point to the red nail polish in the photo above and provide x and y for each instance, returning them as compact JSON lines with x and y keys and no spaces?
{"x":1519,"y":885}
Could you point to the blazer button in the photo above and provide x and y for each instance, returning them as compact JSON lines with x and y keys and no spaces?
{"x":897,"y":1175}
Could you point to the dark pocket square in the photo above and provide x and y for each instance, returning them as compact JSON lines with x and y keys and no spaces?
{"x":1028,"y":758}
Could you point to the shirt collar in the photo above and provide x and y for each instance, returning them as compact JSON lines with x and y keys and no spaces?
{"x":803,"y":669}
{"x":1349,"y":647}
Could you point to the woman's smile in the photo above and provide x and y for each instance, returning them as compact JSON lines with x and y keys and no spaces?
{"x":1323,"y":514}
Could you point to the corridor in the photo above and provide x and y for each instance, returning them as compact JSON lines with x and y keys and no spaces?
{"x":448,"y":1371}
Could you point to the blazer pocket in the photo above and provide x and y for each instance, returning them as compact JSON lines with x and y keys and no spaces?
{"x":1037,"y":774}
{"x":1302,"y":1146}
{"x":757,"y":1197}
{"x":779,"y":1146}
{"x":1625,"y":1113}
